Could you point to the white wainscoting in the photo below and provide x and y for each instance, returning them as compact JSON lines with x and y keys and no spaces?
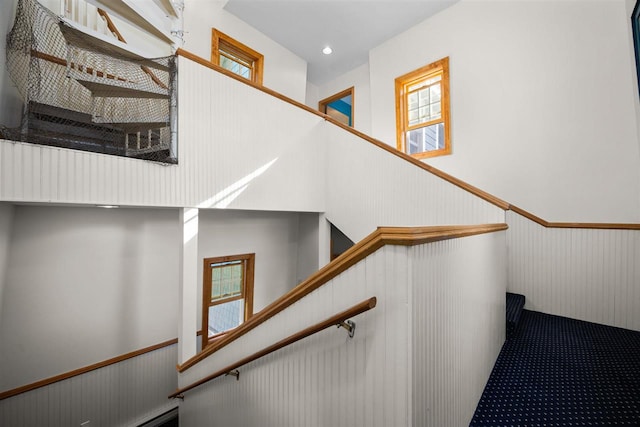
{"x":373,"y":379}
{"x":585,"y":274}
{"x":458,"y":311}
{"x":123,"y":394}
{"x":368,"y":187}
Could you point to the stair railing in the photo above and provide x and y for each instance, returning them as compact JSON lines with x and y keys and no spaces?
{"x":86,"y":14}
{"x":339,"y":319}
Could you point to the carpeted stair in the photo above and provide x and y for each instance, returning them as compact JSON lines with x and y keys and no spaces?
{"x":515,"y":305}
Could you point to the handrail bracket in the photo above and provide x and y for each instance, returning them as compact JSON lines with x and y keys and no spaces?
{"x":350,"y":326}
{"x":234,"y":373}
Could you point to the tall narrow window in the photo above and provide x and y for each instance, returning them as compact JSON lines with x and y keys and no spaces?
{"x":422,"y":111}
{"x":236,"y":57}
{"x":227,"y":294}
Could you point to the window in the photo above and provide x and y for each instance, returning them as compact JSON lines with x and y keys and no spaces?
{"x":422,"y":111}
{"x":236,"y":57}
{"x":339,"y":106}
{"x":227,"y":293}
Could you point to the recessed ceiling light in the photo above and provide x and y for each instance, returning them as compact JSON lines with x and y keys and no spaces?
{"x":107,"y":206}
{"x":327,"y":50}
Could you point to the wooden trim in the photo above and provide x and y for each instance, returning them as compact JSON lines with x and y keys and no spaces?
{"x":331,"y":321}
{"x":322,"y":104}
{"x":110,"y":25}
{"x":583,"y":225}
{"x":84,"y":370}
{"x":382,"y":236}
{"x":63,"y":62}
{"x":437,"y":172}
{"x":114,"y":30}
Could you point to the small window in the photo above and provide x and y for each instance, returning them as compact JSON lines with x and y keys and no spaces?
{"x":227,"y":294}
{"x":339,"y":106}
{"x":422,"y":111}
{"x":236,"y":57}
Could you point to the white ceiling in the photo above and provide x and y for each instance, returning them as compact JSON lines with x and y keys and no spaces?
{"x":350,"y":27}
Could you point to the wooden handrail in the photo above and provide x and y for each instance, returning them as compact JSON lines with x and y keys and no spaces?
{"x":406,"y":236}
{"x":63,"y":62}
{"x":441,"y":174}
{"x":85,"y":369}
{"x":114,"y":30}
{"x":331,"y":321}
{"x":584,"y":225}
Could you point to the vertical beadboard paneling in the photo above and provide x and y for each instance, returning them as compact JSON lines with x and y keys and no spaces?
{"x":325,"y":380}
{"x":396,"y":193}
{"x":585,"y":274}
{"x":123,"y":394}
{"x":452,"y":292}
{"x":458,"y":308}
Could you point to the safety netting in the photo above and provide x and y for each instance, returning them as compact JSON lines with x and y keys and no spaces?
{"x":83,"y":91}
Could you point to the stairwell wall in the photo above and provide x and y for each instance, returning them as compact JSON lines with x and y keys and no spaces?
{"x":124,"y":394}
{"x":367,"y":187}
{"x":406,"y":365}
{"x":584,"y":274}
{"x":83,"y":285}
{"x":532,"y":121}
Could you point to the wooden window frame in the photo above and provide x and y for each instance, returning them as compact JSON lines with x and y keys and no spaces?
{"x":254,"y":60}
{"x":322,"y":105}
{"x":440,"y":67}
{"x":248,"y":261}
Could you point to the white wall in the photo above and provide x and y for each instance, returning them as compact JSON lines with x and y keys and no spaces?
{"x":272,"y":236}
{"x":358,"y":78}
{"x":6,"y":223}
{"x":84,"y":285}
{"x":284,"y":72}
{"x":11,"y":105}
{"x":308,"y":245}
{"x":543,"y":103}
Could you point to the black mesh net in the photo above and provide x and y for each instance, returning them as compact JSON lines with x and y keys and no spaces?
{"x":83,"y":92}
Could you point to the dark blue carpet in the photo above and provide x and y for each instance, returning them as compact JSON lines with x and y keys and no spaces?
{"x":556,"y":371}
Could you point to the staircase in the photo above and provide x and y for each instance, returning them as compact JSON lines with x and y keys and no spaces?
{"x":88,"y":91}
{"x":515,"y":305}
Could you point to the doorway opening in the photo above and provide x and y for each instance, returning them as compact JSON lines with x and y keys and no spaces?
{"x":339,"y":106}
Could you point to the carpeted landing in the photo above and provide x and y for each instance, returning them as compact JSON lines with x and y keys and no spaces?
{"x":555,"y":371}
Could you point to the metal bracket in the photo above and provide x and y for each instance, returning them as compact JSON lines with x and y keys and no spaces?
{"x":350,"y":326}
{"x":234,"y":373}
{"x":180,"y":396}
